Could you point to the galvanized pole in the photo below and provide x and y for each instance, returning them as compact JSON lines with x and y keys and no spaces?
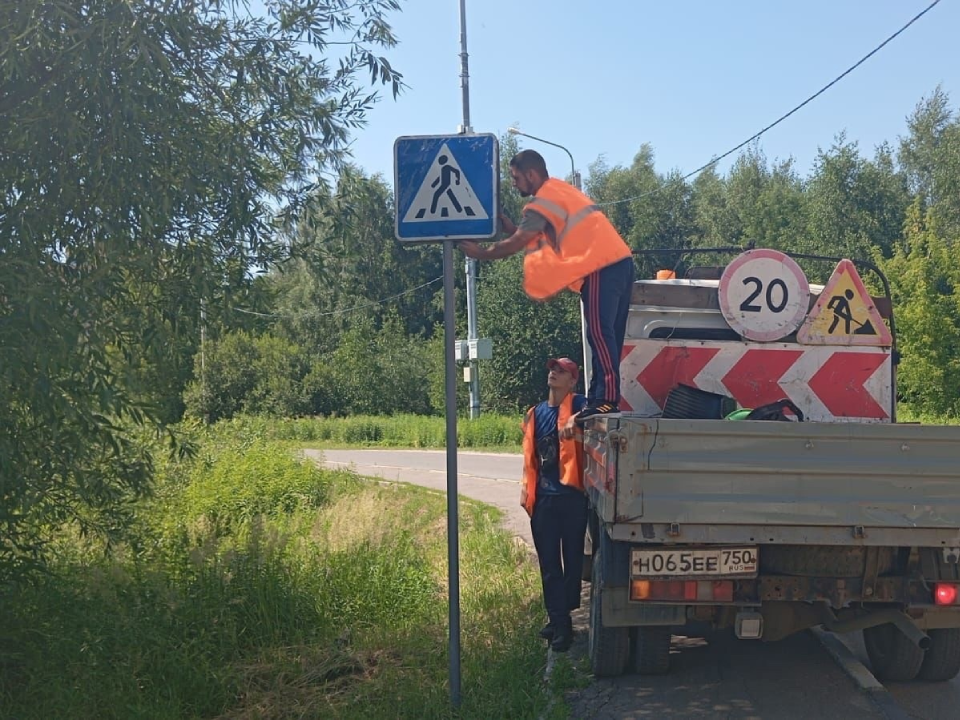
{"x":453,"y":544}
{"x":450,"y":388}
{"x":587,"y":356}
{"x":203,"y":361}
{"x":471,"y":266}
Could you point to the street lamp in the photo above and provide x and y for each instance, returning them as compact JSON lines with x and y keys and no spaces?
{"x":573,"y":168}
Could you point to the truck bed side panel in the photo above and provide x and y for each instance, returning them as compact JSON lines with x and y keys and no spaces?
{"x":776,"y":473}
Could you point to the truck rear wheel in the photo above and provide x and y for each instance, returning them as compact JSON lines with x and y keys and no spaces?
{"x":651,"y":650}
{"x":609,"y":647}
{"x":941,"y":661}
{"x":893,"y":656}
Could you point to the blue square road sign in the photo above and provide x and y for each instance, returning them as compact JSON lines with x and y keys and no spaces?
{"x":446,"y":187}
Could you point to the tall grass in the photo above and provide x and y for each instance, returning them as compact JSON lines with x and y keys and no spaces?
{"x":258,"y":587}
{"x":414,"y":431}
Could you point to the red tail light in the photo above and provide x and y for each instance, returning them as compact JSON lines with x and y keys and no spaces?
{"x":945,"y":594}
{"x":682,"y":590}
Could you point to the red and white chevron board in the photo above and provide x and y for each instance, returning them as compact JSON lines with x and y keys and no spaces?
{"x":829,"y":383}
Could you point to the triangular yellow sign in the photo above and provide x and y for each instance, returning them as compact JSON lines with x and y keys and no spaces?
{"x":844,"y":314}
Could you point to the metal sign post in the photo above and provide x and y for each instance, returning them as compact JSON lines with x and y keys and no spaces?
{"x":446,"y":188}
{"x":453,"y":534}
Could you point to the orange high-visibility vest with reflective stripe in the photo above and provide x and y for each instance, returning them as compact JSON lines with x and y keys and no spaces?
{"x":586,"y":241}
{"x":571,"y":456}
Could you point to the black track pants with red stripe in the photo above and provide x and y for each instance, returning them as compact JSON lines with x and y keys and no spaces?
{"x":606,"y":303}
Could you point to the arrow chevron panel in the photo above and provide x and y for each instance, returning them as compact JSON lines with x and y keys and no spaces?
{"x":830,"y":384}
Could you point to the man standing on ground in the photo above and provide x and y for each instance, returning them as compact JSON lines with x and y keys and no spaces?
{"x":571,"y":244}
{"x":552,"y":494}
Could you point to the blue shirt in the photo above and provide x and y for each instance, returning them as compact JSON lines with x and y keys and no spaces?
{"x":545,"y":419}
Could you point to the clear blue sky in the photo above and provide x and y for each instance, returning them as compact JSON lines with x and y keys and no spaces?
{"x":691,"y":77}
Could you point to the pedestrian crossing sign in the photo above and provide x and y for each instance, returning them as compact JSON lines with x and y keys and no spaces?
{"x":446,"y":187}
{"x":844,"y":314}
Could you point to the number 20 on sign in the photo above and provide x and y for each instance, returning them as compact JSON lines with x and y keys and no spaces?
{"x":764,"y":295}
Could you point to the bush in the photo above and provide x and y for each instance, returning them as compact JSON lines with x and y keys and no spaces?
{"x":241,"y":484}
{"x":381,"y":372}
{"x":246,"y":374}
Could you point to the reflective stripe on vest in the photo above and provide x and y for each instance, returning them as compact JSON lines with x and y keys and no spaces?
{"x":585,"y":241}
{"x":549,"y":206}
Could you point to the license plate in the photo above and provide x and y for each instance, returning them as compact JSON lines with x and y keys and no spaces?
{"x":701,"y":562}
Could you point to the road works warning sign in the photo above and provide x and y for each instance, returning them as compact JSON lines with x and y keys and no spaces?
{"x":844,"y":314}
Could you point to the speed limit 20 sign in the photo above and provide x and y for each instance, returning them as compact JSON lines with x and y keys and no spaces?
{"x":764,"y":295}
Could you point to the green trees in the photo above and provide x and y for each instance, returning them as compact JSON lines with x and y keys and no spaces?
{"x":151,"y":151}
{"x":855,"y":206}
{"x":924,"y":274}
{"x":350,"y":259}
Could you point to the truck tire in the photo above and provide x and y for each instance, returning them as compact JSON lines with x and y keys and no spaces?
{"x":651,"y":650}
{"x":892,"y":655}
{"x":941,"y":661}
{"x":609,"y":647}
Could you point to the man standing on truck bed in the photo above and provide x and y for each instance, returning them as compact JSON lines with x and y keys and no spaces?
{"x":552,"y":494}
{"x":571,"y":244}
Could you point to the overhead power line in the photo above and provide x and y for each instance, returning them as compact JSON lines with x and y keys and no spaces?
{"x":343,"y":311}
{"x":785,"y":115}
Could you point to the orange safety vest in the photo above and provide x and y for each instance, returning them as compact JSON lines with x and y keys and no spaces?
{"x":571,"y":456}
{"x":586,"y":241}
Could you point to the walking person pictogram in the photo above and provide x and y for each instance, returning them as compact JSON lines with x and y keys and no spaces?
{"x":444,"y":182}
{"x":445,"y":193}
{"x":447,"y":173}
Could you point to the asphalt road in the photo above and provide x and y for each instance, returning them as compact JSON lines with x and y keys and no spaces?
{"x":719,"y":677}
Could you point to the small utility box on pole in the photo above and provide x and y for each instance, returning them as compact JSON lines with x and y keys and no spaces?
{"x":480,"y":349}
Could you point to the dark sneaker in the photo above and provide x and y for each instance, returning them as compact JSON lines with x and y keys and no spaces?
{"x":606,"y":408}
{"x":548,"y":631}
{"x":562,"y":640}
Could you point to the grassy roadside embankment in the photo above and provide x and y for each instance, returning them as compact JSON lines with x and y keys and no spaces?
{"x":257,"y":586}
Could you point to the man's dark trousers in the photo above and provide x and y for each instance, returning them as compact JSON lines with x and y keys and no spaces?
{"x":558,"y":525}
{"x":606,"y":304}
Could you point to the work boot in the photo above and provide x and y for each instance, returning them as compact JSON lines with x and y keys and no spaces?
{"x":604,"y":408}
{"x":562,"y":639}
{"x":548,"y":631}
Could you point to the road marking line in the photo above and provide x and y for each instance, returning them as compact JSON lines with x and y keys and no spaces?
{"x":371,"y":466}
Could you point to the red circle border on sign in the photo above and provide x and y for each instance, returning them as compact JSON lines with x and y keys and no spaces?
{"x":761,"y":254}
